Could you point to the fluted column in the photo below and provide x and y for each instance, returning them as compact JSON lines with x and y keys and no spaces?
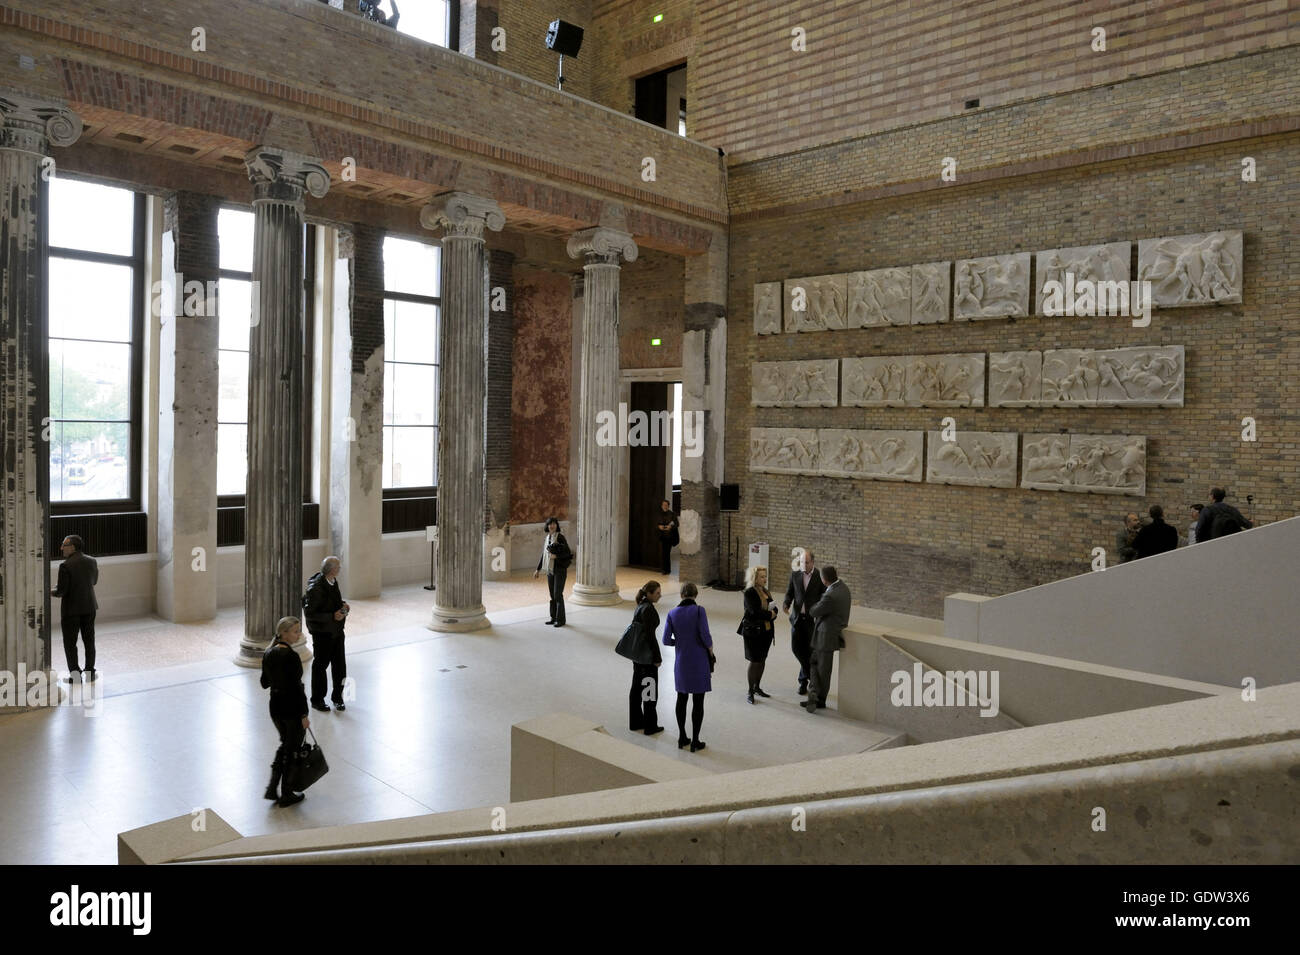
{"x":462,"y":389}
{"x":604,"y":249}
{"x":28,"y":128}
{"x":273,"y":577}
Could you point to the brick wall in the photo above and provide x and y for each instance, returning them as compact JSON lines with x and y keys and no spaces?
{"x":629,"y":44}
{"x":500,"y":385}
{"x":526,"y":53}
{"x":874,"y":66}
{"x":904,"y":546}
{"x":651,"y":305}
{"x":366,"y":286}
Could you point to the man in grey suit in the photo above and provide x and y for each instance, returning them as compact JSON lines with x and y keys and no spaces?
{"x":78,"y":575}
{"x":831,"y":613}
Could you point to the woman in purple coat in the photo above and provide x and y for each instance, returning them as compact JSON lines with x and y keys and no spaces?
{"x":687,"y":629}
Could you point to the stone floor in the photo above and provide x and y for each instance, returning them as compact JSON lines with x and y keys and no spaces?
{"x":429,"y":729}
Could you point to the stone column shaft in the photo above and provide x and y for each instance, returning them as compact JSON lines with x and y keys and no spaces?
{"x":28,"y":128}
{"x":273,"y":577}
{"x":597,"y":565}
{"x":462,"y":390}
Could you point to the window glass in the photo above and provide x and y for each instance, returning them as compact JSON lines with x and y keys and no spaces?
{"x":423,"y":19}
{"x":91,"y":217}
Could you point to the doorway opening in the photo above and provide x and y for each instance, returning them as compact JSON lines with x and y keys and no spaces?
{"x":654,"y":467}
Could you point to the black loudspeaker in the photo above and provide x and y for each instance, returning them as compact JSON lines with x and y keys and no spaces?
{"x":729,"y":497}
{"x":564,"y":38}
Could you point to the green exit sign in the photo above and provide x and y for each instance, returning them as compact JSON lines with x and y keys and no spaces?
{"x":656,"y":342}
{"x":658,"y":17}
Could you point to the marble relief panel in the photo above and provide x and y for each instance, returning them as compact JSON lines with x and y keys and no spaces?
{"x":880,"y":297}
{"x":796,"y":384}
{"x":872,"y":455}
{"x":993,"y":287}
{"x":816,"y":303}
{"x":931,"y":285}
{"x":982,"y":458}
{"x":1095,"y":263}
{"x":945,"y":381}
{"x":1090,"y":463}
{"x":1141,"y":377}
{"x":1202,"y":269}
{"x":875,"y":382}
{"x":767,"y":308}
{"x":1015,"y":379}
{"x":783,"y":450}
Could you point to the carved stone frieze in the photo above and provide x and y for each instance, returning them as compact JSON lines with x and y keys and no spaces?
{"x":993,"y":287}
{"x":815,"y":303}
{"x":1204,"y":269}
{"x":767,"y":308}
{"x":1092,"y":463}
{"x":796,"y":384}
{"x":982,"y":458}
{"x":880,"y":297}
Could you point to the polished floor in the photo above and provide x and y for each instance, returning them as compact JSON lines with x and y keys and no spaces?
{"x":429,"y":729}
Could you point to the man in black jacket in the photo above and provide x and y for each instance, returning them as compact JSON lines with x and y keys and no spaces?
{"x":325,"y":611}
{"x":1156,"y":537}
{"x":78,"y":575}
{"x":668,"y":536}
{"x":801,"y":595}
{"x":282,"y":675}
{"x":1220,"y":518}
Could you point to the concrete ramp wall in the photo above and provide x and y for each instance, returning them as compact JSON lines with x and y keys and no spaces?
{"x":1216,"y":612}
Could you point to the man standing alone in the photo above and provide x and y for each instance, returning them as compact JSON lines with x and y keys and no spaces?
{"x":326,"y":611}
{"x":831,"y":613}
{"x":668,"y":536}
{"x":801,"y":595}
{"x":78,"y":575}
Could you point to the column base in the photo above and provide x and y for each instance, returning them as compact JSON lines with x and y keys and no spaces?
{"x":447,"y":620}
{"x":251,"y":650}
{"x":585,"y":595}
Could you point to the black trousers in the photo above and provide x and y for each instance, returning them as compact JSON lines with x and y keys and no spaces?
{"x":801,"y":634}
{"x":642,"y":701}
{"x":85,"y":624}
{"x":327,"y":653}
{"x":666,"y":554}
{"x":291,"y":736}
{"x":555,"y":582}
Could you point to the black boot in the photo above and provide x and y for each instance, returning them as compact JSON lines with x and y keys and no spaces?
{"x":273,"y":787}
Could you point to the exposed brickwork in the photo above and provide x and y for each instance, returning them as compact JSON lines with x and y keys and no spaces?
{"x":193,"y":220}
{"x":629,"y":44}
{"x":500,"y":385}
{"x":905,"y":546}
{"x":651,"y":306}
{"x":526,"y":53}
{"x":543,"y":362}
{"x":870,"y":67}
{"x":366,"y":286}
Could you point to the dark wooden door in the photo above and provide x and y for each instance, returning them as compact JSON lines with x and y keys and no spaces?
{"x":647,"y":467}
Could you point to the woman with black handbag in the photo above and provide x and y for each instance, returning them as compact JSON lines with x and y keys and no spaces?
{"x":556,"y":558}
{"x":640,"y":645}
{"x":756,"y":627}
{"x":687,"y":629}
{"x":282,"y":674}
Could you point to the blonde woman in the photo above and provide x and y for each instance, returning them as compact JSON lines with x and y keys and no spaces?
{"x":756,"y":627}
{"x":282,"y":675}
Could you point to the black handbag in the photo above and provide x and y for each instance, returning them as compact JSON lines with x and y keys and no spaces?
{"x":636,"y":646}
{"x":306,"y":766}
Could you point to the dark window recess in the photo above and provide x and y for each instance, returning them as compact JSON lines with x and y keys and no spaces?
{"x":105,"y":535}
{"x":409,"y":513}
{"x":677,"y":499}
{"x":230,"y":524}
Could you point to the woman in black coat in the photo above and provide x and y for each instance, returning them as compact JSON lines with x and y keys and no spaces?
{"x":756,"y":627}
{"x":642,"y":700}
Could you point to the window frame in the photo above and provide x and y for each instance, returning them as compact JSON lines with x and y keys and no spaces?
{"x":429,"y":491}
{"x":133,"y":503}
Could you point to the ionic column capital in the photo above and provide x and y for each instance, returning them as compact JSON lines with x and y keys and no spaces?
{"x":602,"y":246}
{"x":34,"y":125}
{"x":279,"y":175}
{"x":462,"y":215}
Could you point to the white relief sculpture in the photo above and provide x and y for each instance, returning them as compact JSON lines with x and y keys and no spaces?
{"x":978,"y":458}
{"x":871,"y":455}
{"x":992,"y":287}
{"x":783,"y":450}
{"x":1092,"y":263}
{"x":1200,"y":269}
{"x":767,"y":308}
{"x":1090,"y":463}
{"x":880,"y":297}
{"x":795,"y":384}
{"x":823,"y":301}
{"x":930,"y":287}
{"x":945,"y":381}
{"x":1140,"y":377}
{"x":876,"y":382}
{"x":1015,"y":379}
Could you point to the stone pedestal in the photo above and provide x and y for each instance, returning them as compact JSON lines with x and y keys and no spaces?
{"x":273,"y":576}
{"x":603,"y":249}
{"x":28,"y":128}
{"x":356,"y":433}
{"x":462,"y":390}
{"x":187,"y":414}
